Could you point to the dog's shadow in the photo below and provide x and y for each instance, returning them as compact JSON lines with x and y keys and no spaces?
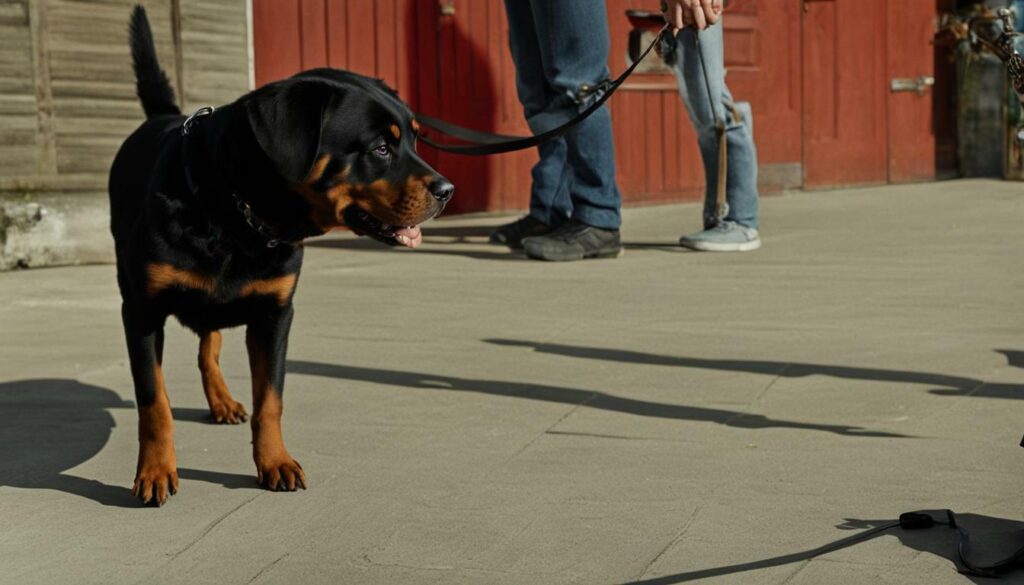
{"x":49,"y":426}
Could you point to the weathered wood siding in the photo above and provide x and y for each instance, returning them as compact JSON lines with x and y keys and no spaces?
{"x":19,"y":120}
{"x":67,"y":95}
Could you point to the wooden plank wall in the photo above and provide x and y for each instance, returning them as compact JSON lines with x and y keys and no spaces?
{"x":21,"y":151}
{"x":214,"y":50}
{"x":63,"y":117}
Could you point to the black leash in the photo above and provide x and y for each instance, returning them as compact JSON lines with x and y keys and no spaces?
{"x":483,"y":143}
{"x":921,"y":520}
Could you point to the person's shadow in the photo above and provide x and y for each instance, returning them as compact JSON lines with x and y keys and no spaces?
{"x":942,"y":384}
{"x":48,"y":426}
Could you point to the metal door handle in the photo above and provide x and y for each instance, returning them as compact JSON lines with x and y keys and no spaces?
{"x":919,"y":85}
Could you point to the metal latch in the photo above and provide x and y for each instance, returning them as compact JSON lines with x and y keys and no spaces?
{"x":920,"y":85}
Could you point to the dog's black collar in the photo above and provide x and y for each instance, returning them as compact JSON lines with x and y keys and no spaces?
{"x":268,"y":234}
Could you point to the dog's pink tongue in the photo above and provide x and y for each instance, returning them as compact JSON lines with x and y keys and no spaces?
{"x":409,"y":237}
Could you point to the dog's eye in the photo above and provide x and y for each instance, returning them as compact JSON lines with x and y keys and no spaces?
{"x":382,"y":151}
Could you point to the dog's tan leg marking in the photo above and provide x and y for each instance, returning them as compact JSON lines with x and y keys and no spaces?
{"x":275,"y":467}
{"x":223,"y":406}
{"x":156,"y":475}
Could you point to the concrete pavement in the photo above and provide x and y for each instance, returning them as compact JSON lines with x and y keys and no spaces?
{"x":468,"y":416}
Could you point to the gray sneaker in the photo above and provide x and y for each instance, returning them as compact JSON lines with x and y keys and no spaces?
{"x":727,"y":236}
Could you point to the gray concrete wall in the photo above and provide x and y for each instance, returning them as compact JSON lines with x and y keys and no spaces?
{"x":67,"y":100}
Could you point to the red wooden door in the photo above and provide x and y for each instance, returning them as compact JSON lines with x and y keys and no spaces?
{"x":762,"y":48}
{"x":472,"y":83}
{"x":845,"y":92}
{"x":912,"y":142}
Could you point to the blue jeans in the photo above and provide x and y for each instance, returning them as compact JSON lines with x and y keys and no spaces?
{"x":557,"y":46}
{"x":741,"y":186}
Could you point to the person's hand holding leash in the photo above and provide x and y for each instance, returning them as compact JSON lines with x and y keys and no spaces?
{"x":697,"y":13}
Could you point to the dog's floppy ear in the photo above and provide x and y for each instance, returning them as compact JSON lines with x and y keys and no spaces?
{"x":287,"y":121}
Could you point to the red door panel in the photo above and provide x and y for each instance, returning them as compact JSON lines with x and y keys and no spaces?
{"x":845,"y":93}
{"x":762,"y":53}
{"x":912,"y":144}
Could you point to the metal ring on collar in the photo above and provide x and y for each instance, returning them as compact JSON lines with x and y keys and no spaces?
{"x":186,"y":128}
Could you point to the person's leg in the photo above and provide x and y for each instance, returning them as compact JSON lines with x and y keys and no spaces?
{"x":549,"y":194}
{"x":742,"y":194}
{"x":550,"y":205}
{"x":550,"y":201}
{"x":573,"y":44}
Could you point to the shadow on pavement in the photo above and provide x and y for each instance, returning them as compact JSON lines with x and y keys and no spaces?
{"x":572,"y":396}
{"x":461,"y":234}
{"x":48,"y":426}
{"x":233,"y":481}
{"x":991,"y":540}
{"x":467,"y":235}
{"x":947,"y":385}
{"x":367,"y":245}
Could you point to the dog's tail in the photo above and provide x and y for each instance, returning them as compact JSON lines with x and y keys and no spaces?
{"x":151,"y":83}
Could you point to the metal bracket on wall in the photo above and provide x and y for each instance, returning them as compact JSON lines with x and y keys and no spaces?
{"x":919,"y":85}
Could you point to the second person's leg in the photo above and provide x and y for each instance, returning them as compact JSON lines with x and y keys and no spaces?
{"x":737,"y":231}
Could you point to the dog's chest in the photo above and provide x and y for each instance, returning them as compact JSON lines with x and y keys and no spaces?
{"x":202,"y":300}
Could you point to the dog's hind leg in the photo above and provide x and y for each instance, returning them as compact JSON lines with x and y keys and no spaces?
{"x":156,"y":475}
{"x":223,"y":407}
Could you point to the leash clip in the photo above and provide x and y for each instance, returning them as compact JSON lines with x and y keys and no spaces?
{"x":586,"y":91}
{"x":186,"y":128}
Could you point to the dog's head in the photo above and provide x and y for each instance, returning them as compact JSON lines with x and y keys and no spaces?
{"x":347,"y":144}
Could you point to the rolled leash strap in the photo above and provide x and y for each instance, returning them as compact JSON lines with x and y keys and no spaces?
{"x":484,"y":143}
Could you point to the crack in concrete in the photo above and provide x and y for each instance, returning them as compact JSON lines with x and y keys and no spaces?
{"x":266,"y":568}
{"x":551,"y":426}
{"x":778,"y":376}
{"x":675,"y":540}
{"x":799,"y":570}
{"x":368,"y":562}
{"x":209,"y":527}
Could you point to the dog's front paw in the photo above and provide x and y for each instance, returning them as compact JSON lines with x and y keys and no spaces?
{"x":228,"y":412}
{"x":281,"y":474}
{"x":157,"y":476}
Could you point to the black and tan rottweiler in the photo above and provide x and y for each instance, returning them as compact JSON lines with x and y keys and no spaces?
{"x":209,"y":214}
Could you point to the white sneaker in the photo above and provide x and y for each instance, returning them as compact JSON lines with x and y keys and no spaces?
{"x":727,"y":236}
